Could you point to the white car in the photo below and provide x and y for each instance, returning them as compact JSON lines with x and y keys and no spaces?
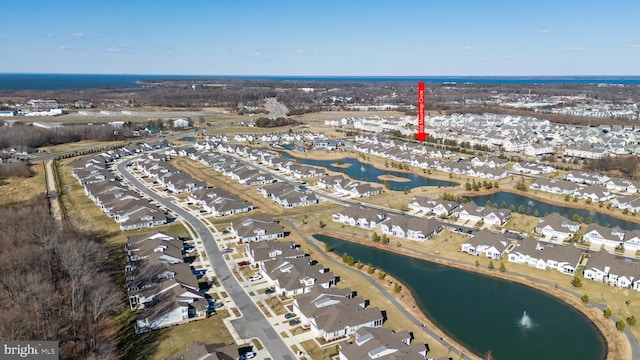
{"x":249,"y":355}
{"x":254,"y":278}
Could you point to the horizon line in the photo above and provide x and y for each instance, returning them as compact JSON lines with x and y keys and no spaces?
{"x":330,"y":76}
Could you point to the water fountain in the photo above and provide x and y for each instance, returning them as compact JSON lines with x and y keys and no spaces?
{"x":525,"y":321}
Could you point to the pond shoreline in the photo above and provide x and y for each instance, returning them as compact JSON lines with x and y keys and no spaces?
{"x":616,"y":346}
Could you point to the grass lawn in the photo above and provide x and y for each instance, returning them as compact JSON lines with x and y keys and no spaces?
{"x":522,"y":223}
{"x":312,"y":348}
{"x":210,"y":330}
{"x":17,"y":189}
{"x":162,"y":343}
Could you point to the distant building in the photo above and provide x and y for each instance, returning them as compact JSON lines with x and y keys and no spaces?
{"x":9,"y":113}
{"x":180,"y":123}
{"x":40,"y":105}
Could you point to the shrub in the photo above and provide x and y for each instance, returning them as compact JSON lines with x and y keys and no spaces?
{"x":631,"y":320}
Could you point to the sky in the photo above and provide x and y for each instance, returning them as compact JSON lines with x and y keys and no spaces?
{"x":322,"y":38}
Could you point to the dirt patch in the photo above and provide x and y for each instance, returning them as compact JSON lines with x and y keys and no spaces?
{"x":393,"y":178}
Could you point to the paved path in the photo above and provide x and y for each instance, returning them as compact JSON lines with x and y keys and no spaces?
{"x":401,"y":307}
{"x":253,"y":322}
{"x":52,"y":189}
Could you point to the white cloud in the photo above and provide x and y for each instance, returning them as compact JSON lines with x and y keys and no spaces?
{"x":543,"y":31}
{"x":577,"y":49}
{"x":77,"y":34}
{"x":63,"y":47}
{"x":299,"y":51}
{"x":635,"y":46}
{"x":255,"y":54}
{"x":114,"y":49}
{"x":466,"y":48}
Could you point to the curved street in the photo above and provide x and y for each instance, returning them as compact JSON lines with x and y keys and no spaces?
{"x":253,"y":322}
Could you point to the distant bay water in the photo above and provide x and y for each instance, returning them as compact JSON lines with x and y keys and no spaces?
{"x":13,"y":81}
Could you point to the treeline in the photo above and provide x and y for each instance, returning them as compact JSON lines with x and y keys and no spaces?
{"x":16,"y":169}
{"x":54,"y":284}
{"x":626,"y":165}
{"x":279,"y":121}
{"x":27,"y":135}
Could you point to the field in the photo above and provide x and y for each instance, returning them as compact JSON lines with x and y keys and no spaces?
{"x":17,"y":189}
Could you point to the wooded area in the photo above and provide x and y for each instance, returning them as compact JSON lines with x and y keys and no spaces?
{"x":54,"y":284}
{"x":26,"y":135}
{"x":18,"y":169}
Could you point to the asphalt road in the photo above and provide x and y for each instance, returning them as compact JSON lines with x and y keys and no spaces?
{"x":253,"y":323}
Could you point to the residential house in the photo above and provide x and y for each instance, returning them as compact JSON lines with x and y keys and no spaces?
{"x":354,"y":215}
{"x":488,"y":214}
{"x":593,"y":193}
{"x":257,"y":229}
{"x":555,"y":227}
{"x":613,"y":270}
{"x":410,"y":227}
{"x":175,"y":305}
{"x":563,"y":258}
{"x":560,"y":187}
{"x":380,"y":343}
{"x":335,"y":313}
{"x":202,"y":351}
{"x":263,"y":251}
{"x":437,"y":207}
{"x":492,"y":245}
{"x":600,"y":235}
{"x":628,"y":202}
{"x":632,"y":240}
{"x":622,"y":185}
{"x":295,"y":276}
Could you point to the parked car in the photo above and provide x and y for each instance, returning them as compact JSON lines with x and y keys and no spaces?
{"x":215,"y":305}
{"x":294,"y":322}
{"x":269,"y":291}
{"x":227,"y":250}
{"x":290,"y":315}
{"x":255,"y":277}
{"x":249,"y":355}
{"x":243,"y":263}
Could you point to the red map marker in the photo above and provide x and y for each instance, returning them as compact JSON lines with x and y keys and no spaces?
{"x":421,"y":135}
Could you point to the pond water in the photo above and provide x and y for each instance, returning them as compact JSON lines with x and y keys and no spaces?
{"x":545,"y":208}
{"x":484,"y":313}
{"x":367,"y":172}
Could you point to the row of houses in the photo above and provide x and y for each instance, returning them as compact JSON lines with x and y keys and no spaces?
{"x":330,"y":312}
{"x":129,"y":209}
{"x":287,"y":195}
{"x":219,"y":202}
{"x":405,"y":226}
{"x":157,"y":168}
{"x":611,"y":183}
{"x":592,"y":193}
{"x":246,"y":174}
{"x":534,"y":136}
{"x":161,"y":287}
{"x":345,"y":187}
{"x":600,"y":266}
{"x":490,"y":168}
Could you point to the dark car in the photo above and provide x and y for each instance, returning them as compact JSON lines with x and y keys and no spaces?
{"x":294,"y":322}
{"x":290,"y":315}
{"x":243,"y":263}
{"x":269,"y":291}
